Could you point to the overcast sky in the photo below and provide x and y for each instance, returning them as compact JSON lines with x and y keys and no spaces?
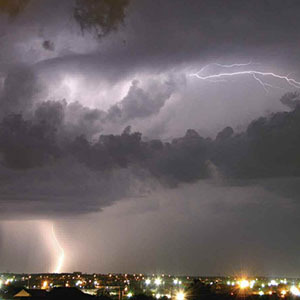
{"x":206,"y":179}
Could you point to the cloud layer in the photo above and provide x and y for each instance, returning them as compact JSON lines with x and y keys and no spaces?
{"x":49,"y":160}
{"x":97,"y":106}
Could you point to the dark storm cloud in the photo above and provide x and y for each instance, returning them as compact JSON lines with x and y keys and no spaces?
{"x":21,"y":88}
{"x":75,"y":74}
{"x":63,"y":187}
{"x":23,"y":92}
{"x":26,"y":145}
{"x":269,"y":148}
{"x":36,"y":133}
{"x":215,"y":28}
{"x":159,"y":35}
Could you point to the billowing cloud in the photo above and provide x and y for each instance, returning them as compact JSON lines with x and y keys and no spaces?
{"x":29,"y":148}
{"x":140,"y":103}
{"x":97,"y":106}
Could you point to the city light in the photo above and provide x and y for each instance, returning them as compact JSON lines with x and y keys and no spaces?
{"x":79,"y":282}
{"x":8,"y":281}
{"x":244,"y":283}
{"x":295,"y":291}
{"x":180,"y":295}
{"x":156,"y":286}
{"x":283,"y":292}
{"x":273,"y":283}
{"x":45,"y":284}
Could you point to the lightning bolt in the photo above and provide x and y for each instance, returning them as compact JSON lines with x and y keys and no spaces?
{"x":256,"y":75}
{"x":61,"y":257}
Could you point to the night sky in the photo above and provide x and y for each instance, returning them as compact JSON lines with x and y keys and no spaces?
{"x":139,"y":166}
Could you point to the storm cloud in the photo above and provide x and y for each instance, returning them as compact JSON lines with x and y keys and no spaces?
{"x":98,"y":112}
{"x":269,"y":148}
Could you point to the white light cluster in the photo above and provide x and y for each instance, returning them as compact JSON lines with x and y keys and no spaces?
{"x":273,"y":283}
{"x":157,"y":281}
{"x":295,"y":291}
{"x":79,"y":282}
{"x":244,"y":283}
{"x":180,"y":295}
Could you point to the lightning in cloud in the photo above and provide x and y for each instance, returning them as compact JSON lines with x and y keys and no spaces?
{"x":256,"y":75}
{"x":61,"y":257}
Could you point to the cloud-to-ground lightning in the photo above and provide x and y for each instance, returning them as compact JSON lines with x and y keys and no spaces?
{"x":61,"y":257}
{"x":256,"y":75}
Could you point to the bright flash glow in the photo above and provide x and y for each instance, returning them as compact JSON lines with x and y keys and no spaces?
{"x":8,"y":281}
{"x":79,"y":282}
{"x":157,"y":281}
{"x":45,"y":284}
{"x":295,"y":291}
{"x":61,"y":255}
{"x":157,"y":296}
{"x":147,"y":281}
{"x":175,"y":281}
{"x":129,"y":295}
{"x":244,"y":283}
{"x":180,"y":295}
{"x":256,"y":75}
{"x":283,"y":292}
{"x":261,"y":293}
